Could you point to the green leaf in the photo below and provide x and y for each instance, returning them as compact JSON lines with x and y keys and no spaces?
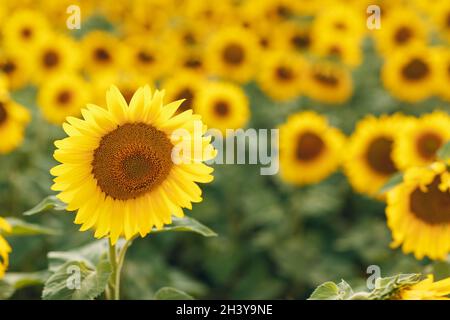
{"x":13,"y":281}
{"x":49,"y":203}
{"x":394,"y":180}
{"x":187,"y":224}
{"x":168,"y":293}
{"x":326,"y":291}
{"x":444,"y":152}
{"x":76,"y":280}
{"x":22,"y":228}
{"x":385,"y":288}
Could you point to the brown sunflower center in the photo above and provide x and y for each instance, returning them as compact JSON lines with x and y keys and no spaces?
{"x":189,"y":38}
{"x":132,"y":160}
{"x":415,"y":70}
{"x":50,"y":58}
{"x":64,"y":97}
{"x":9,"y":67}
{"x":233,"y":54}
{"x":283,"y":11}
{"x":428,"y":144}
{"x":102,"y":55}
{"x":188,"y":95}
{"x":447,"y":20}
{"x":309,"y":146}
{"x":145,"y":57}
{"x":301,"y":41}
{"x":284,"y":73}
{"x":26,"y":32}
{"x":340,"y":25}
{"x":193,"y":63}
{"x":433,"y":206}
{"x":3,"y":113}
{"x":379,"y":156}
{"x":222,"y":108}
{"x":328,"y":80}
{"x":403,"y":35}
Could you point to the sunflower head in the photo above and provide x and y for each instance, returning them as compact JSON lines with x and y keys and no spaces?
{"x":426,"y":289}
{"x":13,"y":120}
{"x":118,"y":167}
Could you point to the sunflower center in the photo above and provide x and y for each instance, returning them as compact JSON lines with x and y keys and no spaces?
{"x":26,"y":33}
{"x":326,"y":79}
{"x":132,"y":160}
{"x":284,"y":73}
{"x":428,"y":144}
{"x":189,"y":38}
{"x":145,"y":57}
{"x":309,"y":146}
{"x":283,"y":11}
{"x":193,"y":63}
{"x":379,"y":156}
{"x":301,"y":41}
{"x":188,"y":95}
{"x":403,"y":35}
{"x":9,"y":67}
{"x":447,"y":20}
{"x":3,"y":113}
{"x":233,"y":54}
{"x":416,"y":69}
{"x":101,"y":54}
{"x":64,"y":97}
{"x":221,"y":108}
{"x":433,"y":206}
{"x":50,"y":58}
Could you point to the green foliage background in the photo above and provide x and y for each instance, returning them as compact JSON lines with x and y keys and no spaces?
{"x":275,"y":240}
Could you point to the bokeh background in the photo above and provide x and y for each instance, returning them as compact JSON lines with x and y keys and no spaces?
{"x":277,"y":239}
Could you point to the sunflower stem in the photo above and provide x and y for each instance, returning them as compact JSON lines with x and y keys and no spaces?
{"x":117,"y":261}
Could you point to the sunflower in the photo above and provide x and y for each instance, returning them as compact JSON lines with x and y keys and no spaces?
{"x":293,"y":36}
{"x":23,"y":30}
{"x":400,"y":29}
{"x":13,"y":119}
{"x":56,"y":55}
{"x":273,"y":11}
{"x":184,"y":86}
{"x":103,"y":53}
{"x":118,"y":168}
{"x":146,"y":18}
{"x":61,"y":96}
{"x":443,"y":69}
{"x":441,"y":15}
{"x":421,"y":139}
{"x":232,"y":53}
{"x":426,"y":289}
{"x":149,"y":57}
{"x":223,"y":106}
{"x":328,"y":82}
{"x":345,"y":49}
{"x":190,"y":59}
{"x":5,"y":249}
{"x":310,"y":149}
{"x":410,"y":74}
{"x":282,"y":75}
{"x":368,"y":163}
{"x":418,"y":212}
{"x":16,"y":69}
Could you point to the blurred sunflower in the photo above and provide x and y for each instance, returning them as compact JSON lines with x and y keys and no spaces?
{"x":401,"y":29}
{"x":425,"y":290}
{"x":310,"y":149}
{"x":117,"y":166}
{"x":443,"y":69}
{"x":232,"y":54}
{"x":421,"y":139}
{"x":23,"y":30}
{"x":190,"y":59}
{"x":328,"y":82}
{"x":441,"y":15}
{"x":13,"y":119}
{"x":61,"y":96}
{"x":274,"y":11}
{"x":5,"y":249}
{"x":344,"y":49}
{"x":282,"y":75}
{"x":293,"y":36}
{"x":223,"y":106}
{"x":56,"y":55}
{"x":410,"y":74}
{"x":418,"y":212}
{"x":208,"y":14}
{"x":145,"y":18}
{"x":368,"y":162}
{"x":16,"y":69}
{"x":103,"y":53}
{"x":184,"y":86}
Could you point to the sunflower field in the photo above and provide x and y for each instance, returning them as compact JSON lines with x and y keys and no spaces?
{"x":96,"y":95}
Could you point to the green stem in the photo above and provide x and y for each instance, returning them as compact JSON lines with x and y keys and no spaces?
{"x":117,"y":261}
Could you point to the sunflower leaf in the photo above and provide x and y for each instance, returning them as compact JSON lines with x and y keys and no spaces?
{"x":444,"y":152}
{"x":394,"y":180}
{"x":76,"y":280}
{"x":49,"y":203}
{"x":187,"y":224}
{"x":13,"y":281}
{"x":168,"y":293}
{"x":22,"y":228}
{"x":326,"y":291}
